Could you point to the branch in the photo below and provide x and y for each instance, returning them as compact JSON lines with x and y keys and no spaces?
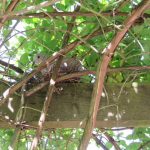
{"x":4,"y":73}
{"x":47,"y":101}
{"x":83,"y":73}
{"x":101,"y":73}
{"x":112,"y":141}
{"x":69,"y":14}
{"x":34,"y":8}
{"x":36,"y":88}
{"x":51,"y":88}
{"x":109,"y":70}
{"x":132,"y":68}
{"x":50,"y":59}
{"x":143,"y":145}
{"x":13,"y":4}
{"x":124,"y":2}
{"x":6,"y":37}
{"x":19,"y":118}
{"x":17,"y":69}
{"x":99,"y":142}
{"x":9,"y":9}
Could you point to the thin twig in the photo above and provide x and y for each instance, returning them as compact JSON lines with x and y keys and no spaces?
{"x":112,"y":141}
{"x":99,"y":142}
{"x":7,"y":36}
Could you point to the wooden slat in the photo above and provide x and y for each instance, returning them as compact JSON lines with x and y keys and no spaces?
{"x":120,"y":106}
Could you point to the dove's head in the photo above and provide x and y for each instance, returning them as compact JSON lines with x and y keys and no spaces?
{"x":39,"y":58}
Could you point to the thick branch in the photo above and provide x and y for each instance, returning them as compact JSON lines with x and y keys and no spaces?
{"x":61,"y":14}
{"x":12,"y":6}
{"x":109,"y":70}
{"x":102,"y":69}
{"x":9,"y":9}
{"x":17,"y":69}
{"x":69,"y":14}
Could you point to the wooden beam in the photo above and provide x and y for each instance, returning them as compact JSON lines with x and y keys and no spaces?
{"x":122,"y":106}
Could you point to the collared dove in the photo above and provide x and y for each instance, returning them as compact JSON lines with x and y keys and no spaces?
{"x":68,"y":65}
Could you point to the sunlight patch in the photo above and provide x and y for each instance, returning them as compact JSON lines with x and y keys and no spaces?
{"x":52,"y":82}
{"x":10,"y":148}
{"x":81,"y":122}
{"x":7,"y":117}
{"x":110,"y":114}
{"x":135,"y":87}
{"x":65,"y":64}
{"x":5,"y":94}
{"x":54,"y":54}
{"x":118,"y":116}
{"x":10,"y":104}
{"x":103,"y":94}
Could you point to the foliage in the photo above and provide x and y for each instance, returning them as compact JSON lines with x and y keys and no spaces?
{"x":68,"y":139}
{"x":22,"y":37}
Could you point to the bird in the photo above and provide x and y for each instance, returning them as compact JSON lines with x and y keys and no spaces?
{"x":68,"y":65}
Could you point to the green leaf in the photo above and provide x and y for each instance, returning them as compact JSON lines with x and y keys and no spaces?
{"x":134,"y":145}
{"x":119,"y":77}
{"x":60,"y":6}
{"x":24,"y":59}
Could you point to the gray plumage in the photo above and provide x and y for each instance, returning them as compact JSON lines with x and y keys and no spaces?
{"x":68,"y":65}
